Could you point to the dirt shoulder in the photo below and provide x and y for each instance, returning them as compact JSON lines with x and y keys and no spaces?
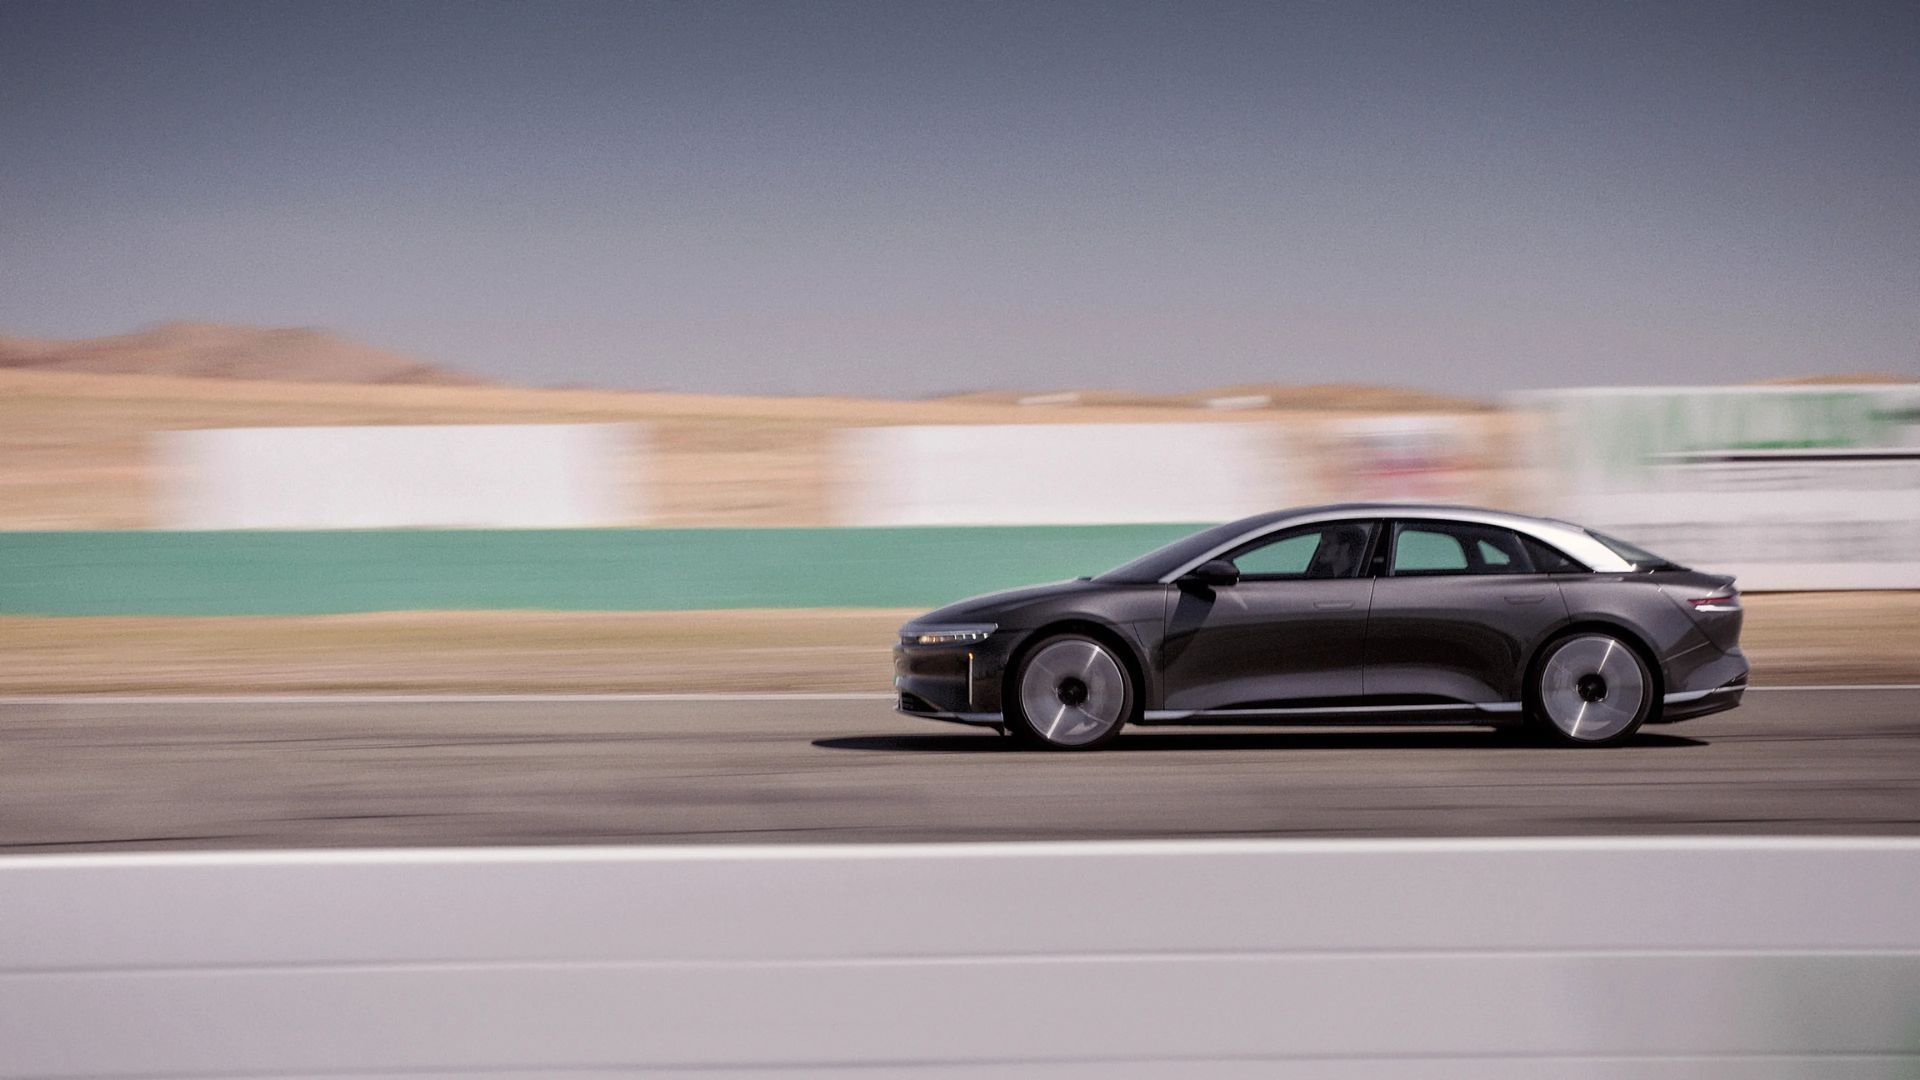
{"x":454,"y":652}
{"x":1866,"y":637}
{"x":1793,"y":638}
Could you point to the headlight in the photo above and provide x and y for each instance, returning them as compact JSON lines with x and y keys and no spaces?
{"x":948,"y":635}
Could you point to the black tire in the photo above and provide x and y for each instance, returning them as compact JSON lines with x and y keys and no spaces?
{"x":1589,"y":689}
{"x":1070,"y":692}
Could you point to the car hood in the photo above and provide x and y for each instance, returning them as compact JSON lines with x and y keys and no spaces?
{"x":1002,"y":607}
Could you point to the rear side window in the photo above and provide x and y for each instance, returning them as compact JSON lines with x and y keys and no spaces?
{"x":1454,"y":547}
{"x":1428,"y":551}
{"x":1548,"y":560}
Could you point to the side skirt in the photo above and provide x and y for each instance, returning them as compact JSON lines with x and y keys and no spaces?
{"x":1496,"y":712}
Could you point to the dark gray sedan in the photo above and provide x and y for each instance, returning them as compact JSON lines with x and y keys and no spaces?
{"x":1358,"y":613}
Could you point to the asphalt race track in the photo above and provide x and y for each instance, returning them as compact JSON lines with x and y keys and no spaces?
{"x":147,"y":775}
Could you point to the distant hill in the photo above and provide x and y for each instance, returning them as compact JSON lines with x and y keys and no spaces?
{"x":1872,"y":378}
{"x":217,"y":351}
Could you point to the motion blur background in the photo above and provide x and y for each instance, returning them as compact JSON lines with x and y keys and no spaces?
{"x":1210,"y":260}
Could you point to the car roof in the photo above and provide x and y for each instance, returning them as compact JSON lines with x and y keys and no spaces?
{"x":1566,"y":536}
{"x":1401,"y":509}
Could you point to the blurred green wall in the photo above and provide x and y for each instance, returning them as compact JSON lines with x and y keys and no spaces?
{"x":304,"y":573}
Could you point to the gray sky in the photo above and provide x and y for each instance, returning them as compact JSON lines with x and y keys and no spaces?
{"x":904,"y":199}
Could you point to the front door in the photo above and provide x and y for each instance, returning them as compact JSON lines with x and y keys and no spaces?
{"x":1289,"y":633}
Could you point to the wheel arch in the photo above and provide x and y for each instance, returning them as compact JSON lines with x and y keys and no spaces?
{"x":1634,"y":639}
{"x":1106,"y":634}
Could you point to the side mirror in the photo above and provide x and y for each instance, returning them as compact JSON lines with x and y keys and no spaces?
{"x":1213,"y":573}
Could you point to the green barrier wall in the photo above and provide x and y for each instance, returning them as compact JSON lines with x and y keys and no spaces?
{"x":306,"y":573}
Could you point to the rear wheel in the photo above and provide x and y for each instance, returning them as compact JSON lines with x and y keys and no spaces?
{"x":1592,"y":689}
{"x":1071,"y":693}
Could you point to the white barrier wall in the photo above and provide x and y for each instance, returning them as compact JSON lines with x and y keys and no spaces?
{"x":1418,"y":458}
{"x":1059,"y":474}
{"x":450,"y":476}
{"x":1786,"y":487}
{"x":1506,"y":959}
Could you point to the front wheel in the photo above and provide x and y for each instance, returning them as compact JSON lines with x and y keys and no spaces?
{"x":1071,"y":693}
{"x":1592,"y":689}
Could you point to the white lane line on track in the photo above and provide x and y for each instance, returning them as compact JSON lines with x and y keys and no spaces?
{"x":414,"y":699}
{"x":510,"y":699}
{"x":1905,"y":846}
{"x":1843,"y":686}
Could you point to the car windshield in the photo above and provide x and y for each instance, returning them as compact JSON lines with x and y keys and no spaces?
{"x":1162,"y":561}
{"x":1638,"y":556}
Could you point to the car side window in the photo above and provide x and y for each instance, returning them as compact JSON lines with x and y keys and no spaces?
{"x":1427,"y":551}
{"x":1549,"y":560}
{"x":1457,"y":547}
{"x":1333,"y":550}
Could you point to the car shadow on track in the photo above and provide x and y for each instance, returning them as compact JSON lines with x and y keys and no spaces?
{"x":989,"y":743}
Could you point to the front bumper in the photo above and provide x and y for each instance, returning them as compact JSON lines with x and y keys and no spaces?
{"x":912,"y":706}
{"x":960,"y":683}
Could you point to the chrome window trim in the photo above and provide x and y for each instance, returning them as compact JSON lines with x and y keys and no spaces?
{"x":1571,"y":540}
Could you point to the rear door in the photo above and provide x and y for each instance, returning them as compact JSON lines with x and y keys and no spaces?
{"x":1290,"y":632}
{"x":1456,"y":613}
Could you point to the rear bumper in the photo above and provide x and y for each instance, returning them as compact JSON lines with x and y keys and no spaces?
{"x":1689,"y":704}
{"x":1706,"y":681}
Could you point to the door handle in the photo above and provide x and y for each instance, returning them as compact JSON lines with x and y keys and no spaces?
{"x":1333,"y":605}
{"x":1523,"y":599}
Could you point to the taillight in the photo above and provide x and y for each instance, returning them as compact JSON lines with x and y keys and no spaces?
{"x":1717,"y":602}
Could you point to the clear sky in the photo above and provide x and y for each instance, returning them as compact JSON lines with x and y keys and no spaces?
{"x":902,"y":199}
